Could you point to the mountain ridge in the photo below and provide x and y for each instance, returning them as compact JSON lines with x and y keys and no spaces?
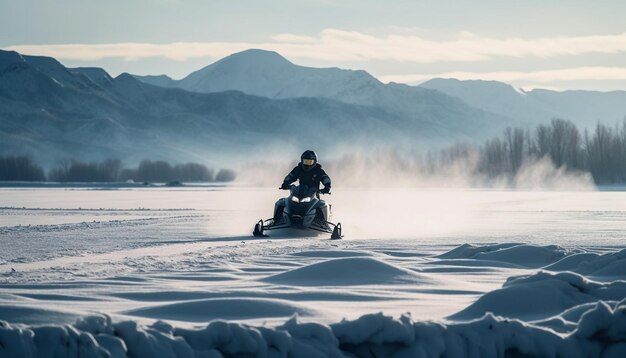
{"x":583,"y":107}
{"x":268,"y":74}
{"x":53,"y":113}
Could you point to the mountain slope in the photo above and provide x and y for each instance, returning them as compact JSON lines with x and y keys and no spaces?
{"x":267,"y":74}
{"x":54,"y":113}
{"x":474,"y":109}
{"x":585,"y":108}
{"x":161,"y":80}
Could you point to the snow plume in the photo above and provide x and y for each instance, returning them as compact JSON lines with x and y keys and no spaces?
{"x":265,"y":173}
{"x":541,"y":174}
{"x":456,"y":167}
{"x":372,"y":168}
{"x":600,"y":331}
{"x":391,"y":168}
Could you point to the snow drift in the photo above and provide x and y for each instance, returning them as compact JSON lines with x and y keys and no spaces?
{"x":522,"y":255}
{"x":600,"y":331}
{"x":225,"y":308}
{"x":541,"y":295}
{"x":348,"y":271}
{"x":606,"y":266}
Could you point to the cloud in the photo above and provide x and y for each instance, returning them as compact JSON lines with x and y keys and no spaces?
{"x":180,"y":51}
{"x":293,"y":38}
{"x":339,"y":45}
{"x":538,"y":77}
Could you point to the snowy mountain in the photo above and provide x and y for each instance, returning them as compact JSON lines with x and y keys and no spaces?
{"x":538,"y":106}
{"x":160,"y":80}
{"x":54,"y":113}
{"x":268,"y":74}
{"x":469,"y":107}
{"x":258,"y":101}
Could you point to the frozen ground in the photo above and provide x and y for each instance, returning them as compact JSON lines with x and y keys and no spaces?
{"x":454,"y":273}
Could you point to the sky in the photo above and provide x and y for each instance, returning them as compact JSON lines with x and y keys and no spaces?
{"x":530,"y":44}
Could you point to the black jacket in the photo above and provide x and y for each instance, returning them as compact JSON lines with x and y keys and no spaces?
{"x":310,"y":178}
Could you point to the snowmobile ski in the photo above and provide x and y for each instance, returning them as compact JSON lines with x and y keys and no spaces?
{"x":302,"y":209}
{"x":258,"y":229}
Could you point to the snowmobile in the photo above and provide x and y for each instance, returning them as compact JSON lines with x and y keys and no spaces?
{"x":302,"y":209}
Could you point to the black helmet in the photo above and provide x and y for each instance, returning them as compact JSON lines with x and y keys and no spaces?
{"x":308,"y":159}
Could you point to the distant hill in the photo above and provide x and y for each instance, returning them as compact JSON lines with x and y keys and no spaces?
{"x":585,"y":108}
{"x":160,"y":80}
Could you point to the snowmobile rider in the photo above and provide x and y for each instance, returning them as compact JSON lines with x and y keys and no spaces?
{"x":309,"y":172}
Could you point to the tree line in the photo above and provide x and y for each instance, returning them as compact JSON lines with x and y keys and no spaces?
{"x":22,"y":168}
{"x":601,"y":152}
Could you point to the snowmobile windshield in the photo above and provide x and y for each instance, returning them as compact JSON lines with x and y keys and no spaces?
{"x":302,"y":191}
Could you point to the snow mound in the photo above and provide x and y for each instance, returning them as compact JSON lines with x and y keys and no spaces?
{"x":600,"y":331}
{"x":33,"y":315}
{"x":331,"y":253}
{"x":610,"y":265}
{"x":223,"y":308}
{"x":542,"y":295}
{"x":523,"y":255}
{"x":347,"y":271}
{"x":571,"y":262}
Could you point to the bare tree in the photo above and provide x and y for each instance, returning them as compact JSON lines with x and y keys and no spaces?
{"x":515,"y":145}
{"x":493,"y":158}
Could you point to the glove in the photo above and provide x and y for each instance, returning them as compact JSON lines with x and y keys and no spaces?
{"x":284,"y":186}
{"x":325,"y":190}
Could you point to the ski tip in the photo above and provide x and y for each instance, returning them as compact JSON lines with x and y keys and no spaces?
{"x":336,"y":235}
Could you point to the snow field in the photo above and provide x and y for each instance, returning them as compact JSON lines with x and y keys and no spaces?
{"x":176,"y":274}
{"x":543,"y":313}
